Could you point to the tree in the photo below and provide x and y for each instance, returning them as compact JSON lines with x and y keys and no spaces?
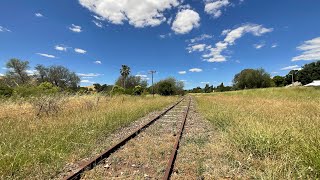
{"x":58,"y":76}
{"x":278,"y":81}
{"x":42,"y":75}
{"x":125,"y":71}
{"x":169,"y":86}
{"x":309,"y":73}
{"x":17,"y":72}
{"x":252,"y":78}
{"x":288,"y":77}
{"x":131,"y":82}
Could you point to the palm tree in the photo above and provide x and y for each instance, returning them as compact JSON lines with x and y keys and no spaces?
{"x":124,"y":71}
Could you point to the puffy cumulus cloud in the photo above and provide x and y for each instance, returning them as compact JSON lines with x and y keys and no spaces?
{"x":75,"y":28}
{"x":60,"y":48}
{"x":196,"y":47}
{"x":195,"y":70}
{"x":139,"y":13}
{"x":80,"y":51}
{"x":214,"y":7}
{"x":185,"y":21}
{"x":215,"y":53}
{"x":310,"y":50}
{"x":182,"y":72}
{"x":46,"y":55}
{"x":294,"y":67}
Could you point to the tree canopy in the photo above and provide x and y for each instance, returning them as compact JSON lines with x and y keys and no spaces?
{"x":252,"y":78}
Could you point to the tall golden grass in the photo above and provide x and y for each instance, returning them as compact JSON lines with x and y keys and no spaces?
{"x":272,"y":133}
{"x":37,"y":147}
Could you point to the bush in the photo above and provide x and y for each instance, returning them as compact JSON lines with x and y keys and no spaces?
{"x":6,"y":91}
{"x":117,"y":90}
{"x":138,"y":90}
{"x":169,"y":86}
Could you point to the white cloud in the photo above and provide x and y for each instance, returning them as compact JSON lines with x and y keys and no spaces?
{"x":97,"y":62}
{"x":182,"y":72}
{"x":214,"y":8}
{"x":201,"y":37}
{"x":31,"y":72}
{"x":143,"y":77}
{"x":162,"y":36}
{"x":185,"y":21}
{"x":274,"y":45}
{"x":80,"y":51}
{"x":205,"y":82}
{"x":195,"y":70}
{"x":98,"y":24}
{"x":3,"y":29}
{"x":98,"y":18}
{"x":294,"y":67}
{"x":60,"y":48}
{"x":139,"y":13}
{"x":46,"y":55}
{"x":225,"y":32}
{"x":259,"y":46}
{"x":89,"y":74}
{"x":310,"y":50}
{"x":196,"y":47}
{"x":38,"y":15}
{"x":75,"y":28}
{"x":1,"y":74}
{"x":87,"y":81}
{"x":215,"y":55}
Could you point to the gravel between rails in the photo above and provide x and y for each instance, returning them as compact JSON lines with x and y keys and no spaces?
{"x":107,"y":141}
{"x":145,"y":156}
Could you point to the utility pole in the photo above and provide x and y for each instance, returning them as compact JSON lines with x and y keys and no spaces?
{"x":152,"y":72}
{"x":292,"y":78}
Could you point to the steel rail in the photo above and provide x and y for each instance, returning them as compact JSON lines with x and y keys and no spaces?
{"x":94,"y":161}
{"x":174,"y":152}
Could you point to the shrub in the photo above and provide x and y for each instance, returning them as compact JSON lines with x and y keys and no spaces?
{"x":117,"y":90}
{"x":138,"y":90}
{"x":6,"y":91}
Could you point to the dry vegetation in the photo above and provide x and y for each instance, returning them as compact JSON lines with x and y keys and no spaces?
{"x":267,"y":133}
{"x":39,"y":136}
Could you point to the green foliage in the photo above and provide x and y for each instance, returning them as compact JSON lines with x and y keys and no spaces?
{"x":117,"y":90}
{"x":252,"y":78}
{"x":17,"y":72}
{"x":131,"y":82}
{"x":279,"y":81}
{"x":6,"y":91}
{"x":208,"y":89}
{"x":169,"y":86}
{"x":138,"y":90}
{"x":102,"y":88}
{"x":44,"y":88}
{"x":309,"y":73}
{"x":125,"y":71}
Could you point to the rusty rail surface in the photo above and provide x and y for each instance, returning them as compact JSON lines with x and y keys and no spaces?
{"x":93,"y":162}
{"x":173,"y":156}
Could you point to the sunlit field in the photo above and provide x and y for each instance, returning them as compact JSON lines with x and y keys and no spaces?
{"x":267,"y":133}
{"x":36,"y":144}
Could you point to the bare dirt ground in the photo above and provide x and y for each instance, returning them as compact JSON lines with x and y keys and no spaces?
{"x":146,"y":156}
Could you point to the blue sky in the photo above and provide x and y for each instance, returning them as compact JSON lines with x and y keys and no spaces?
{"x":196,"y":41}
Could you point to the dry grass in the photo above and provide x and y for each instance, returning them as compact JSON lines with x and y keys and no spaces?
{"x":270,"y":133}
{"x":36,"y":147}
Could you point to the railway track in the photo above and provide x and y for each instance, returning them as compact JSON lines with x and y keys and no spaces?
{"x":148,"y":152}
